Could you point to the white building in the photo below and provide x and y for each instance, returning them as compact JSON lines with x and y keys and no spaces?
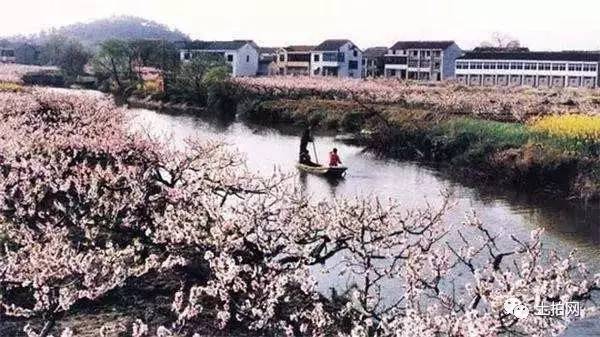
{"x":536,"y":69}
{"x":242,"y":55}
{"x":7,"y":55}
{"x":422,"y":60}
{"x":340,"y":58}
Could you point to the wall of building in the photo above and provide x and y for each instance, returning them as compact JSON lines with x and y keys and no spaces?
{"x":350,"y":52}
{"x":245,"y":61}
{"x":529,"y":77}
{"x":449,"y":60}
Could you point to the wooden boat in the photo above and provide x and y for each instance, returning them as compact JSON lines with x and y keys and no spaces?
{"x":329,"y":171}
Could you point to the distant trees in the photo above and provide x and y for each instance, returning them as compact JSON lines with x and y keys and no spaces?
{"x":118,"y":64}
{"x":197,"y":80}
{"x":67,"y":54}
{"x":501,"y":41}
{"x":114,"y":65}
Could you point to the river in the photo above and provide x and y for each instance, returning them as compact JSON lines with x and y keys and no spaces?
{"x":568,"y":226}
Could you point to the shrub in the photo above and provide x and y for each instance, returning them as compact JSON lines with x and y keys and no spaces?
{"x":44,"y":78}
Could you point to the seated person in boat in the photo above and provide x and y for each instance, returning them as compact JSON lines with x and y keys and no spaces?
{"x":334,"y":159}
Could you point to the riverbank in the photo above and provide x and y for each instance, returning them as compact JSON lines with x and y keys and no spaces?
{"x":520,"y":145}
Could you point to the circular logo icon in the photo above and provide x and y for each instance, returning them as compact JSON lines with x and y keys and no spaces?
{"x":513,"y":306}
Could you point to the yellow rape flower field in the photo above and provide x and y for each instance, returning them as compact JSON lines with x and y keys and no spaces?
{"x":581,"y":127}
{"x":12,"y":87}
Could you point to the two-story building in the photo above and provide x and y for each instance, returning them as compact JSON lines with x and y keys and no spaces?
{"x":7,"y":55}
{"x":422,"y":60}
{"x":374,"y":61}
{"x":525,"y":68}
{"x":242,"y":55}
{"x":294,"y":60}
{"x":339,"y":58}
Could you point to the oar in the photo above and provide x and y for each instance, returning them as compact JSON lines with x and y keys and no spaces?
{"x":315,"y":151}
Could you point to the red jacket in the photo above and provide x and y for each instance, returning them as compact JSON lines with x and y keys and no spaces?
{"x":334,"y":159}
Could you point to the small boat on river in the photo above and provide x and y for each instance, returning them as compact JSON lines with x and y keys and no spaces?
{"x":328,"y":171}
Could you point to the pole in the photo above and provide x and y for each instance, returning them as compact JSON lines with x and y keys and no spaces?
{"x":315,"y":151}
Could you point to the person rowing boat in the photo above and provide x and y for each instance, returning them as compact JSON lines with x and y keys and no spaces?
{"x":306,"y":138}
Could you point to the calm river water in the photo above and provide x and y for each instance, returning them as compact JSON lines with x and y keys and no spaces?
{"x":568,"y":226}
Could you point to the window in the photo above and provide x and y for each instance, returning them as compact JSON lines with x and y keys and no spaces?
{"x":281,"y":58}
{"x":364,"y":61}
{"x":355,"y":53}
{"x":476,"y":65}
{"x":187,"y":56}
{"x":229,"y":58}
{"x":462,"y":65}
{"x":503,"y":65}
{"x":516,"y":65}
{"x":437,"y":53}
{"x":489,"y":65}
{"x":559,"y":66}
{"x":589,"y":67}
{"x":575,"y":67}
{"x":415,"y":53}
{"x":352,"y":65}
{"x":316,"y":58}
{"x":333,"y":57}
{"x":530,"y":66}
{"x":247,"y":58}
{"x":544,"y":66}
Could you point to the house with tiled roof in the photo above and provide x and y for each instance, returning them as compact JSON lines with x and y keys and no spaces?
{"x":242,"y":55}
{"x":422,"y":60}
{"x":294,"y":60}
{"x":529,"y":68}
{"x":337,"y":57}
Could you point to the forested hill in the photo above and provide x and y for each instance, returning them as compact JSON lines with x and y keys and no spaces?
{"x":117,"y":27}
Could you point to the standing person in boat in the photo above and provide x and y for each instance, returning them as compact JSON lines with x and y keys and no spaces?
{"x":334,"y":159}
{"x":304,"y":140}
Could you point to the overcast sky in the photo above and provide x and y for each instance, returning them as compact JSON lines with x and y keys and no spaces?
{"x":538,"y":24}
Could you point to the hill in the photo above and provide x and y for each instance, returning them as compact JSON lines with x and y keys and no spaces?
{"x":117,"y":27}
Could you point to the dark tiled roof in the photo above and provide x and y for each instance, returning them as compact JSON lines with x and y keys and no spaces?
{"x":328,"y":45}
{"x":422,"y":45}
{"x":299,"y":48}
{"x":534,"y":56}
{"x":267,"y":50}
{"x":375,"y":52}
{"x":215,"y":45}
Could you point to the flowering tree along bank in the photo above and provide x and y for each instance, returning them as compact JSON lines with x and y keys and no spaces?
{"x":494,"y":103}
{"x":87,"y":210}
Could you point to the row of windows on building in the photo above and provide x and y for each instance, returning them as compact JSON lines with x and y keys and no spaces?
{"x":528,"y":80}
{"x":527,"y":66}
{"x":416,"y":52}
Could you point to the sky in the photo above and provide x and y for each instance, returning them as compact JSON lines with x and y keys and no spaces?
{"x":538,"y":24}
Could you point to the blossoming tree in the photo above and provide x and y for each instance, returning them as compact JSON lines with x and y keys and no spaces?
{"x":87,"y":207}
